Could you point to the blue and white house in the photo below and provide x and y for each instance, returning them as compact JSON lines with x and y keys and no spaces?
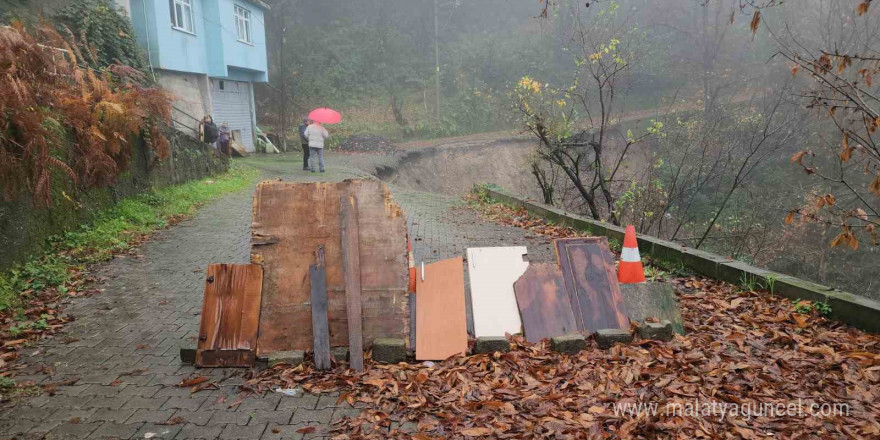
{"x":209,"y":53}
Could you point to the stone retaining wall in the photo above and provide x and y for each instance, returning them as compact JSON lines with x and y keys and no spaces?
{"x":24,"y":227}
{"x":854,"y":310}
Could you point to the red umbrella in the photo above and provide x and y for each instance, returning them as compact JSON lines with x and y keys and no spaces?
{"x":325,"y":116}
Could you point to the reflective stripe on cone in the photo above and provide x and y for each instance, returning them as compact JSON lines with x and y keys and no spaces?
{"x":630,"y":269}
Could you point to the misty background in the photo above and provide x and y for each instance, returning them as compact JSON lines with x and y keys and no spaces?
{"x":698,"y":121}
{"x":695,"y":66}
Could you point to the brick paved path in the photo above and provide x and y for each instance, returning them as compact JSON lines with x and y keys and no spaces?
{"x":124,"y":345}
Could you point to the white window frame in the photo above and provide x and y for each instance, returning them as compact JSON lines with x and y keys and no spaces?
{"x":243,"y":25}
{"x":185,"y":6}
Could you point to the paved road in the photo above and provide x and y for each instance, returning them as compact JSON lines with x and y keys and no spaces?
{"x":125,"y":342}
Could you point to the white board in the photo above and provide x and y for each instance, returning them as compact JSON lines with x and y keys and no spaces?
{"x":492,"y":272}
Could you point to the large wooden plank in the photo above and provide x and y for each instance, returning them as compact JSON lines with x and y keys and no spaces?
{"x":290,"y":221}
{"x":492,"y":272}
{"x":589,"y":278}
{"x":320,"y":323}
{"x":352,"y":271}
{"x":440,"y":312}
{"x":543,"y":303}
{"x":230,"y":314}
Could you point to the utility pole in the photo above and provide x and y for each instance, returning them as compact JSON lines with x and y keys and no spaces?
{"x":284,"y":116}
{"x":436,"y":63}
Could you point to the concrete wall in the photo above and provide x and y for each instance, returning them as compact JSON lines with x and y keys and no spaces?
{"x":846,"y":307}
{"x":192,"y":98}
{"x":25,"y":227}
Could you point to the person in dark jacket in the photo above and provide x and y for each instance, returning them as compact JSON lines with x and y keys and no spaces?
{"x":208,"y":131}
{"x":225,"y":137}
{"x":304,"y":142}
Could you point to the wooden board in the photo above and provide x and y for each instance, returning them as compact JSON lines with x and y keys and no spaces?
{"x":236,"y":144}
{"x":442,"y":331}
{"x":290,"y":221}
{"x":591,"y":282}
{"x":492,"y":272}
{"x":352,"y":272}
{"x":544,"y":305}
{"x":320,"y":323}
{"x":230,"y":315}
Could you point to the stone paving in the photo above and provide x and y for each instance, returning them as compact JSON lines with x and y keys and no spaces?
{"x":124,"y":345}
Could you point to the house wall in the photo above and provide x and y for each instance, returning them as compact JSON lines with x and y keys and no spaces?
{"x":243,"y":56}
{"x":187,"y":63}
{"x":213,"y":48}
{"x":192,"y":98}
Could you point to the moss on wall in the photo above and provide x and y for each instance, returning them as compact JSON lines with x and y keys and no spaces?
{"x":24,"y":227}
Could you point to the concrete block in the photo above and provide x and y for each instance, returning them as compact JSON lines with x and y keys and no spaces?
{"x":855,"y":310}
{"x":340,"y":354}
{"x":606,"y":337}
{"x":188,"y":355}
{"x":660,"y":331}
{"x":292,"y":358}
{"x":389,"y":350}
{"x":701,"y":262}
{"x":735,"y":272}
{"x":796,"y":288}
{"x":652,"y":300}
{"x":491,"y":344}
{"x":568,"y":344}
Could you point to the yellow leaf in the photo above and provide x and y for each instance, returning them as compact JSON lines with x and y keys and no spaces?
{"x":789,"y":218}
{"x":863,"y":7}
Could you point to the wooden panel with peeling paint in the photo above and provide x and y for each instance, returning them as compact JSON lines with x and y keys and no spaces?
{"x":591,"y":282}
{"x":230,"y":314}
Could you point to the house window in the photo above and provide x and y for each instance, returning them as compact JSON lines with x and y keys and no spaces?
{"x":182,"y":15}
{"x":243,"y":24}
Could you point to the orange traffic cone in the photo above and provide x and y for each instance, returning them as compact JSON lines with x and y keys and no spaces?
{"x":412,"y":267}
{"x":630,"y":269}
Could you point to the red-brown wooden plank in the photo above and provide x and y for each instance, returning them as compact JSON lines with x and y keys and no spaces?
{"x":440,"y":310}
{"x":544,"y":305}
{"x":352,"y":270}
{"x":230,"y":314}
{"x":589,"y":278}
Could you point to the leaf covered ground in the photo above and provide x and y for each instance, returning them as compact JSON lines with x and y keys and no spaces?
{"x":750,"y":366}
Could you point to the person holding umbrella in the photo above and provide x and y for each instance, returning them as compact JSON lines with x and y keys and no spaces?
{"x":316,"y":134}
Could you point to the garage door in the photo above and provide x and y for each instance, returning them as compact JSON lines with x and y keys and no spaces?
{"x":232,"y":104}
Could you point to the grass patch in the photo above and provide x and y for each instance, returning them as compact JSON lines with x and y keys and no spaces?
{"x":113,"y":230}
